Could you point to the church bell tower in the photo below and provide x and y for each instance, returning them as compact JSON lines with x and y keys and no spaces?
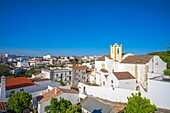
{"x":116,"y":52}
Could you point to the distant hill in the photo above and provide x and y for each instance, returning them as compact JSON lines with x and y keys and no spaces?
{"x":4,"y":70}
{"x":165,"y":55}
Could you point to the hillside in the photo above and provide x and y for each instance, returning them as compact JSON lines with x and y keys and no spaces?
{"x":4,"y":70}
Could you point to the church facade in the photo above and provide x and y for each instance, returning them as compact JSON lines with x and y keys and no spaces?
{"x":119,"y":70}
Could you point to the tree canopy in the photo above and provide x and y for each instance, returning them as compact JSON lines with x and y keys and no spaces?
{"x":74,"y":109}
{"x":167,"y":72}
{"x":58,"y":106}
{"x":62,"y":106}
{"x":4,"y":70}
{"x":19,"y":101}
{"x":137,"y":104}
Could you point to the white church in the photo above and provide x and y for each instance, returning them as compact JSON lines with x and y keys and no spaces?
{"x":127,"y":71}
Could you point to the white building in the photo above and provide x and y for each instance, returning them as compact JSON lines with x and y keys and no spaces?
{"x":47,"y":57}
{"x":89,"y":65}
{"x":140,"y":67}
{"x":22,"y":64}
{"x":68,"y":94}
{"x":63,"y":75}
{"x":12,"y":85}
{"x":79,"y":74}
{"x":158,"y":92}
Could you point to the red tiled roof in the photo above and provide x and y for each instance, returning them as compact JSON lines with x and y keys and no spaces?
{"x":78,"y":67}
{"x":18,"y":82}
{"x":54,"y":93}
{"x":141,"y":59}
{"x":2,"y":106}
{"x":102,"y":58}
{"x":123,"y":75}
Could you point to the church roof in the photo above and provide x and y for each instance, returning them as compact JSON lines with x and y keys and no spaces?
{"x":123,"y":75}
{"x":102,"y":58}
{"x":141,"y":59}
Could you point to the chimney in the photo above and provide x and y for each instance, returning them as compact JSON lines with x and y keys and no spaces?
{"x":3,"y":88}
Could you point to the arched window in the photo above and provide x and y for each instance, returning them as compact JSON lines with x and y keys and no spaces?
{"x":137,"y":88}
{"x":117,"y":50}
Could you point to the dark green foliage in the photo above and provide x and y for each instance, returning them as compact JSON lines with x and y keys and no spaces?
{"x":4,"y":70}
{"x":167,"y":72}
{"x":19,"y":101}
{"x":74,"y":109}
{"x":32,"y":71}
{"x":58,"y":106}
{"x":62,"y":83}
{"x":137,"y":104}
{"x":92,"y":60}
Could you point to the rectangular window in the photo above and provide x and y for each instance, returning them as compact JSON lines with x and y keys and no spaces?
{"x":12,"y":92}
{"x":21,"y":89}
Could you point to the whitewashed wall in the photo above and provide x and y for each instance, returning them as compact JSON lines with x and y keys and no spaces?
{"x":115,"y":81}
{"x":127,"y":67}
{"x":128,"y":84}
{"x":158,"y":93}
{"x":157,"y":65}
{"x":29,"y":89}
{"x":98,"y":65}
{"x":45,"y":73}
{"x":109,"y":64}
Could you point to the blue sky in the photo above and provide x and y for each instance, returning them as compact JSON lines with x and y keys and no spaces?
{"x":83,"y":27}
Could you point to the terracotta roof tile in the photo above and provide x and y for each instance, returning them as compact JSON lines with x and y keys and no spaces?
{"x":54,"y":93}
{"x":78,"y":67}
{"x":18,"y":82}
{"x":123,"y":75}
{"x":141,"y":59}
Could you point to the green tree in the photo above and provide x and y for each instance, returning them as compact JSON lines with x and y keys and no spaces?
{"x":74,"y":109}
{"x":32,"y":71}
{"x":58,"y":106}
{"x":64,"y":105}
{"x":137,"y":104}
{"x":167,"y":72}
{"x":4,"y":70}
{"x":53,"y":107}
{"x":19,"y":101}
